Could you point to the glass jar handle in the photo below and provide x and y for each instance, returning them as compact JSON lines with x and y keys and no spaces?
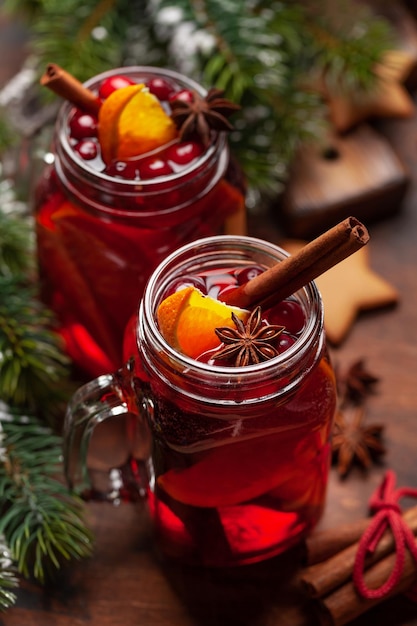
{"x":106,"y":438}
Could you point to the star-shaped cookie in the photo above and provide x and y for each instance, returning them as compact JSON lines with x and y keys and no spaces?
{"x":387,"y":98}
{"x":347,"y":288}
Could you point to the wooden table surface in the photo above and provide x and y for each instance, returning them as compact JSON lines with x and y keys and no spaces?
{"x":126,"y":584}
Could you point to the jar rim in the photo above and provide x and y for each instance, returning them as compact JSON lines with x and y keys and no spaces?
{"x":311,"y":333}
{"x":136,"y":185}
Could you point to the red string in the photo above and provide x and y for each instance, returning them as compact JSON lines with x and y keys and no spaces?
{"x":384,"y":502}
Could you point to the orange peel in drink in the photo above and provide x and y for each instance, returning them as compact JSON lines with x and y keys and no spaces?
{"x":131,"y":122}
{"x":187,"y":320}
{"x":230,"y":474}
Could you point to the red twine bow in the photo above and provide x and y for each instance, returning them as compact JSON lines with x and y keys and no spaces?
{"x":384,"y":502}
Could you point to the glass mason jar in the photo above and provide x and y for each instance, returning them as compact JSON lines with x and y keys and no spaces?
{"x":238,"y":457}
{"x":100,"y":236}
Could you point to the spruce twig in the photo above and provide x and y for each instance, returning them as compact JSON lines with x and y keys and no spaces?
{"x":42,"y":523}
{"x":34,"y":370}
{"x":263,"y":53}
{"x":16,"y":237}
{"x":89,"y":36}
{"x":40,"y":520}
{"x":348,"y":44}
{"x":8,"y":578}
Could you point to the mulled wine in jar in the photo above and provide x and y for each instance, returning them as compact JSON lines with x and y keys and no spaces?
{"x":237,"y":404}
{"x":125,"y":189}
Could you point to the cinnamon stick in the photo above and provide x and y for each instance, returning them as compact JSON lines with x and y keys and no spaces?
{"x":322,"y":578}
{"x":316,"y":257}
{"x":345,"y":604}
{"x":323,"y":544}
{"x":68,"y":87}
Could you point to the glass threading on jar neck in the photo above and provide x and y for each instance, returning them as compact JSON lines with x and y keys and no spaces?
{"x":211,"y":382}
{"x":117,"y":197}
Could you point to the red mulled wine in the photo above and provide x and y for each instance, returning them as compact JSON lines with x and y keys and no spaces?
{"x":240,"y":454}
{"x":103,"y":227}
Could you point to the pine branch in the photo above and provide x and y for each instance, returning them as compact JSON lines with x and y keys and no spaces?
{"x":348,"y":43}
{"x":34,"y":370}
{"x":263,"y":53}
{"x":89,"y":36}
{"x":16,"y":239}
{"x":7,"y":137}
{"x":251,"y":57}
{"x":41,"y":522}
{"x":8,"y":579}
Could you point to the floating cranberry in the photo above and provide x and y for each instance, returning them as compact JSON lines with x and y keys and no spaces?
{"x":82,"y":125}
{"x":247,"y":273}
{"x":123,"y":169}
{"x":184,"y":152}
{"x":223,"y":291}
{"x":87,"y":149}
{"x":153,"y":167}
{"x":288,"y":313}
{"x":185,"y":95}
{"x":217,"y":283}
{"x":112,"y":84}
{"x":160,"y":88}
{"x":186,"y":281}
{"x":285,"y":341}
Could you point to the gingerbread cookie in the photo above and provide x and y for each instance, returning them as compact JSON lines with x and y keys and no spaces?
{"x":387,"y":98}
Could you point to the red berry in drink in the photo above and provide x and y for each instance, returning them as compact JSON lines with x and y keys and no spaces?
{"x":186,"y":281}
{"x":288,"y":313}
{"x":185,"y":95}
{"x":285,"y":341}
{"x":223,"y":291}
{"x":82,"y":125}
{"x":112,"y":83}
{"x":219,"y":283}
{"x":87,"y":149}
{"x":123,"y":169}
{"x":160,"y":88}
{"x":184,"y":152}
{"x":153,"y":167}
{"x":247,"y":273}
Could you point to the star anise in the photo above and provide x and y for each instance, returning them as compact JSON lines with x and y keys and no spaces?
{"x":352,"y":441}
{"x":248,"y":343}
{"x":356,"y":383}
{"x":202,"y":115}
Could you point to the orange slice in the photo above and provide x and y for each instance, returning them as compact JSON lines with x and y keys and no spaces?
{"x":132,"y":122}
{"x":187,"y":320}
{"x":230,"y":474}
{"x":243,"y":470}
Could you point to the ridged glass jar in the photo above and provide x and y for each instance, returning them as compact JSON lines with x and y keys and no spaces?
{"x":100,"y":236}
{"x":237,"y":457}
